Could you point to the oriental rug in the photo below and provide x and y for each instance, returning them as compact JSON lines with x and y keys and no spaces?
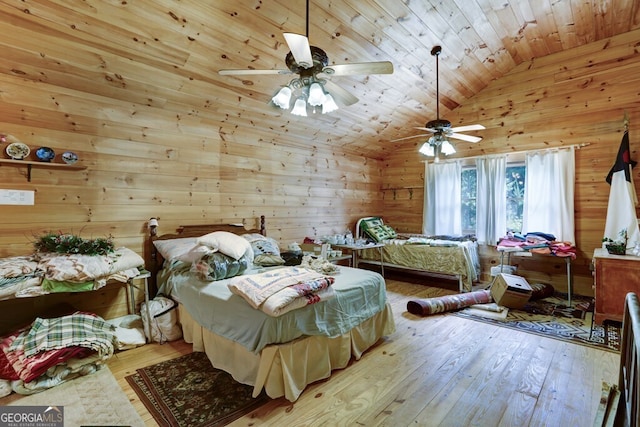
{"x":189,"y":392}
{"x":552,"y":317}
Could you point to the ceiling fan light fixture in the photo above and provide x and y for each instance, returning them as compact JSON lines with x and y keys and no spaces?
{"x":329,"y":105}
{"x":441,"y":129}
{"x":283,"y":98}
{"x":317,"y":97}
{"x":300,"y":107}
{"x":447,"y":148}
{"x":427,"y":149}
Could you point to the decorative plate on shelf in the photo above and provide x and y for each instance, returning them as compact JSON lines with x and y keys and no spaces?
{"x":45,"y":154}
{"x":69,"y":157}
{"x":18,"y":150}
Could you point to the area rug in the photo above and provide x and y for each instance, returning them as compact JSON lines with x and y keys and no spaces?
{"x":552,"y":317}
{"x":189,"y":392}
{"x":90,"y":400}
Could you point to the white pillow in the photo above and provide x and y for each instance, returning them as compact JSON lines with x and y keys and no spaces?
{"x":228,"y":243}
{"x":172,"y":249}
{"x":195,"y":254}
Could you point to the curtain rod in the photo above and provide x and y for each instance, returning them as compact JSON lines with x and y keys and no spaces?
{"x":564,"y":147}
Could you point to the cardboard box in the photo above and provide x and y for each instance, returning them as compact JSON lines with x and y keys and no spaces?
{"x":510,"y":290}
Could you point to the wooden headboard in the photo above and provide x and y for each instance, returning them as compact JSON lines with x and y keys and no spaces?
{"x":155,"y":260}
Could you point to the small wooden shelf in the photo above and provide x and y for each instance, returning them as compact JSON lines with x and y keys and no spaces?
{"x":31,"y":163}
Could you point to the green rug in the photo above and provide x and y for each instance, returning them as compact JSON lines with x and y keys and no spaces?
{"x":552,"y":317}
{"x":189,"y":392}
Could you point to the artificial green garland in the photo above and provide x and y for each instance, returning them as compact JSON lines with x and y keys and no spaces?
{"x":71,"y":244}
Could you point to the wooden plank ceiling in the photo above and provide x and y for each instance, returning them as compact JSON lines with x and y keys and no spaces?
{"x":166,"y":54}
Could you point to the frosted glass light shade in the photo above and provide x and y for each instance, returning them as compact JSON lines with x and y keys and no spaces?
{"x":282,"y":98}
{"x":427,"y":149}
{"x":329,"y":104}
{"x":316,"y":95}
{"x":300,"y":107}
{"x":446,"y":148}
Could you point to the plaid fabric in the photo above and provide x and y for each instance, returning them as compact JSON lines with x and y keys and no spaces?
{"x":77,"y":329}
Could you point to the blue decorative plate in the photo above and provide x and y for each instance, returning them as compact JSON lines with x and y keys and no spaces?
{"x":45,"y":154}
{"x":69,"y":157}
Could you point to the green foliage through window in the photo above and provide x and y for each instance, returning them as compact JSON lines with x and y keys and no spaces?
{"x":469,"y":187}
{"x":515,"y":197}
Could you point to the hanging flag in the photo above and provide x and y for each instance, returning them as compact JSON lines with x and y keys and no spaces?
{"x":621,"y":212}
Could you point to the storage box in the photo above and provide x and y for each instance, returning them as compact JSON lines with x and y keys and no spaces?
{"x":508,"y":269}
{"x":510,"y":290}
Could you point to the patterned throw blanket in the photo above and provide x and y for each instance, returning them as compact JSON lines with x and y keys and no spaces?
{"x":83,"y":268}
{"x":78,"y":329}
{"x":279,"y":291}
{"x":52,"y":351}
{"x":42,"y":273}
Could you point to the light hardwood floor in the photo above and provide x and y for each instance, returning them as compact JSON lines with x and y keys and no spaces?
{"x":440,"y":370}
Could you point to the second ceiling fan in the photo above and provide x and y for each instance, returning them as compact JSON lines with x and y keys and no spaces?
{"x":440,"y":129}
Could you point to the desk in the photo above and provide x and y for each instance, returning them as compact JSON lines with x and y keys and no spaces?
{"x":355,"y":249}
{"x":521,"y":253}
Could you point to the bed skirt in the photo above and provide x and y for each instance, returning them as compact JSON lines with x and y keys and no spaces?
{"x":286,"y":369}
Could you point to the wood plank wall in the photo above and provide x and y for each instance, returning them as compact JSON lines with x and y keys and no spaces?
{"x":185,"y":149}
{"x":163,"y":142}
{"x":578,"y":96}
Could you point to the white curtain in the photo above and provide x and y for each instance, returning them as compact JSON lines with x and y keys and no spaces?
{"x":491,"y":201}
{"x":442,"y":200}
{"x":549,"y":191}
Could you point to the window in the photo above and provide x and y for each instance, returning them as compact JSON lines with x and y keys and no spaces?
{"x":469,"y":183}
{"x":515,"y":197}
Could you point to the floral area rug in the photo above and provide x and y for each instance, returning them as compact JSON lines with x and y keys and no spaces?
{"x":189,"y":392}
{"x":553,"y":318}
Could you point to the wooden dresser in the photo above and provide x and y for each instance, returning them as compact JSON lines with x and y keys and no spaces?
{"x":614,"y":277}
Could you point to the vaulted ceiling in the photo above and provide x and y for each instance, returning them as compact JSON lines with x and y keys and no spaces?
{"x":166,"y":54}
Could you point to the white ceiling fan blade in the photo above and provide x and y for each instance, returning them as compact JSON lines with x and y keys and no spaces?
{"x":300,"y":49}
{"x":427,"y":129}
{"x":382,"y":67}
{"x":467,"y":128}
{"x":246,"y":72}
{"x":340,"y":94}
{"x":410,"y":137}
{"x":468,"y":138}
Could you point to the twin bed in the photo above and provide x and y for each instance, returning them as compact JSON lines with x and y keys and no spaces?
{"x":456,"y":257}
{"x":278,"y":354}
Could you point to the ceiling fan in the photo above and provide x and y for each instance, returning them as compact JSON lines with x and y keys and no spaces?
{"x":441,"y":129}
{"x":312,"y":86}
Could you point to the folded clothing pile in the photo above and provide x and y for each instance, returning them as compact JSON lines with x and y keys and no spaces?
{"x":51,"y":351}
